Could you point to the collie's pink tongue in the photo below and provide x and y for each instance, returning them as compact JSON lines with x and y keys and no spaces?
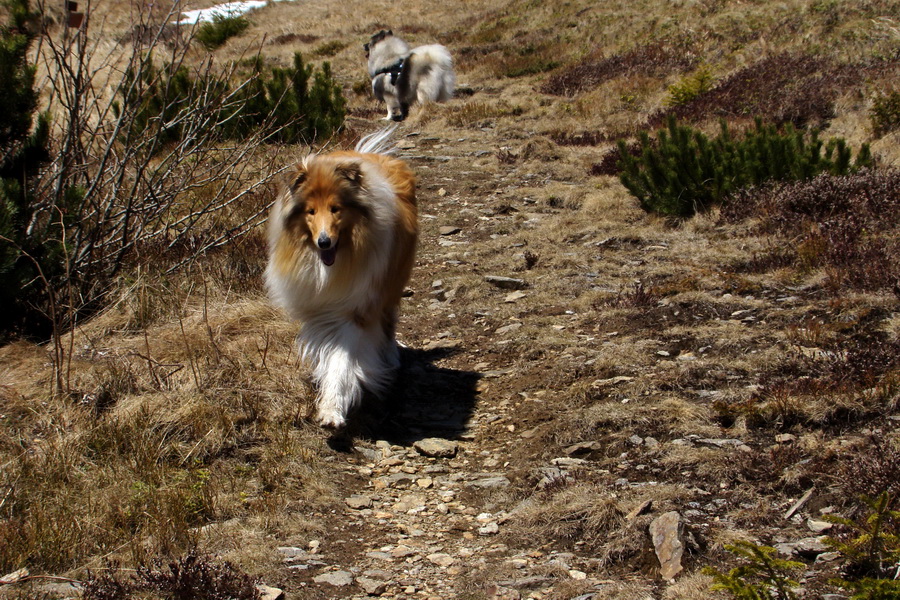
{"x":329,"y":255}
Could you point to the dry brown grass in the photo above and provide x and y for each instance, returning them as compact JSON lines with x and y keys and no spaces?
{"x":186,"y":422}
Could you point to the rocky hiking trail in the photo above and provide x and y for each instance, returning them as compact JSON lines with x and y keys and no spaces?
{"x":419,"y":514}
{"x":428,"y":497}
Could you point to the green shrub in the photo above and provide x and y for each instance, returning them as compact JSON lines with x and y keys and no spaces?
{"x":684,"y":171}
{"x":885,"y":112}
{"x":762,"y":576}
{"x":330,"y":48}
{"x":31,"y":252}
{"x":298,"y":104}
{"x":690,"y":87}
{"x":213,"y":34}
{"x":872,"y":549}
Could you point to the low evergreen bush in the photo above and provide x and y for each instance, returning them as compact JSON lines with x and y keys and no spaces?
{"x":690,"y":87}
{"x":31,"y":249}
{"x":213,"y":34}
{"x":685,"y":172}
{"x":298,"y":104}
{"x":762,"y":576}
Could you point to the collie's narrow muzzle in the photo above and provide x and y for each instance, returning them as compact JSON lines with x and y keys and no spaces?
{"x":327,"y":249}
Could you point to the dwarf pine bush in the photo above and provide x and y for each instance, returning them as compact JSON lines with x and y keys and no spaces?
{"x":762,"y":575}
{"x":213,"y":34}
{"x":872,"y":551}
{"x":684,"y":172}
{"x":31,"y":248}
{"x":298,"y":104}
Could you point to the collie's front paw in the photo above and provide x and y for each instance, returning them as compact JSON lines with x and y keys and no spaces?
{"x":331,"y":419}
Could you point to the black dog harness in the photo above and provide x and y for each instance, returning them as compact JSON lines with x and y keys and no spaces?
{"x":394,"y":71}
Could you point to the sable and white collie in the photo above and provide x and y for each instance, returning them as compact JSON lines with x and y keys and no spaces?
{"x":401,"y":76}
{"x":342,"y":240}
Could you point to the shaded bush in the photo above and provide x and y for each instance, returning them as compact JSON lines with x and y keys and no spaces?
{"x":885,"y":112}
{"x":213,"y":34}
{"x":611,"y":163}
{"x":660,"y":58}
{"x":785,"y":88}
{"x":686,"y":172}
{"x":191,"y":577}
{"x":847,"y":225}
{"x":31,"y":254}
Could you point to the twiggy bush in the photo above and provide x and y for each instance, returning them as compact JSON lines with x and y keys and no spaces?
{"x":685,"y":172}
{"x":150,"y":161}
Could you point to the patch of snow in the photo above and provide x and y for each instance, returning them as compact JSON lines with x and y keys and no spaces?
{"x":228,"y":9}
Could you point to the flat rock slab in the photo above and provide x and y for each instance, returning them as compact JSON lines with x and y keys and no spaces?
{"x":373,"y":587}
{"x":269,"y":593}
{"x":335,"y":578}
{"x":506,"y":283}
{"x":436,"y":448}
{"x":359,"y":502}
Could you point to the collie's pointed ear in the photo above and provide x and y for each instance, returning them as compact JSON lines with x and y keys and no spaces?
{"x":294,"y":177}
{"x":351,"y":172}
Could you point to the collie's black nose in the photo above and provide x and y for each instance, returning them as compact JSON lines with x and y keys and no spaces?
{"x":324,"y":241}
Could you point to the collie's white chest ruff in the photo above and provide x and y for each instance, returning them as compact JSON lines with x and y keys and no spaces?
{"x":342,"y":238}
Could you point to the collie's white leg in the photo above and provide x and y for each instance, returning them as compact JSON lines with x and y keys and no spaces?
{"x":346,"y":360}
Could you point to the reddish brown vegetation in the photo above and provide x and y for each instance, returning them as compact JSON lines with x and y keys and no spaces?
{"x":657,"y":59}
{"x":783,"y":88}
{"x":845,"y":225}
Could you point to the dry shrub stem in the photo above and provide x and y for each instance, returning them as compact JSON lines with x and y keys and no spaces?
{"x":131,"y":193}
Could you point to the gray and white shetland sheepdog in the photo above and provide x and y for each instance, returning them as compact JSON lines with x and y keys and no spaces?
{"x":401,"y":76}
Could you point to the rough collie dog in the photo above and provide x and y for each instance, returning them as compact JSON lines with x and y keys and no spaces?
{"x":401,"y":76}
{"x":342,"y":238}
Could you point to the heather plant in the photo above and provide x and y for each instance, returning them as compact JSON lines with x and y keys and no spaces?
{"x":685,"y":172}
{"x":657,"y":58}
{"x":845,"y":225}
{"x":784,"y":88}
{"x":189,"y":577}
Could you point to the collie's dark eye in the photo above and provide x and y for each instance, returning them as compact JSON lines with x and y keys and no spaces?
{"x":310,"y":211}
{"x":335,"y":210}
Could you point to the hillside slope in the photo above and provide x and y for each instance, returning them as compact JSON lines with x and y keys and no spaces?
{"x":721,"y":368}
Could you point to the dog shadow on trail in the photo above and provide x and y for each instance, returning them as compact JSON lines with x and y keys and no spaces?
{"x":424,"y":401}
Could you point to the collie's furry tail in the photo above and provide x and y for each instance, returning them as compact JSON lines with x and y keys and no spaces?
{"x":378,"y":142}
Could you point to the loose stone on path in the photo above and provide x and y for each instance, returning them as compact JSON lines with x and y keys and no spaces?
{"x":436,"y":448}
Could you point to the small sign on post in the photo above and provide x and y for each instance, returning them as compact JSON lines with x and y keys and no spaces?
{"x":74,"y":18}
